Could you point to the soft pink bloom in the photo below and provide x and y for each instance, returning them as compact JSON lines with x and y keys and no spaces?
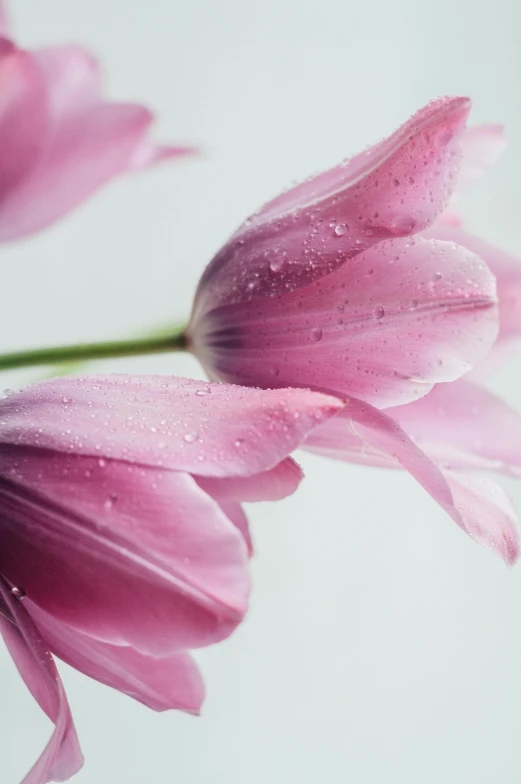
{"x":346,"y":283}
{"x":122,"y":531}
{"x":59,"y":139}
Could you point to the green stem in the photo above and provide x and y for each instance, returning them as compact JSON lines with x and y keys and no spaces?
{"x":81,"y":352}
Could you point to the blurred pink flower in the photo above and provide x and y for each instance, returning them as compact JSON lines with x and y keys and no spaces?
{"x":345,"y":283}
{"x":59,"y":139}
{"x":122,"y":532}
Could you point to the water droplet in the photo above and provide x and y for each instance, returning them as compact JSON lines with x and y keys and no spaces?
{"x":437,"y":276}
{"x":102,"y":462}
{"x":8,"y":392}
{"x":340,"y":229}
{"x":110,"y":501}
{"x":379,"y":312}
{"x":316,"y":334}
{"x":66,"y":400}
{"x":239,"y":442}
{"x":402,"y":224}
{"x":18,"y":593}
{"x":190,"y":438}
{"x":203,"y":392}
{"x":277,"y":263}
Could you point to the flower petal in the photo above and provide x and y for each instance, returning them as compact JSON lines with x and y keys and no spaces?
{"x":23,"y":117}
{"x":279,"y":482}
{"x":148,"y":154}
{"x":62,"y":757}
{"x":464,"y":426}
{"x":394,"y":189}
{"x":385,"y":327}
{"x":235,"y":513}
{"x":85,"y":151}
{"x":469,"y":502}
{"x":205,"y":429}
{"x":173,"y":682}
{"x":507,"y":271}
{"x":128,"y":554}
{"x":487,"y":513}
{"x":72,"y":78}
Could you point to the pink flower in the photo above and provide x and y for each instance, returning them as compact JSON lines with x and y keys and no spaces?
{"x":342,"y":284}
{"x":59,"y":139}
{"x":122,"y":531}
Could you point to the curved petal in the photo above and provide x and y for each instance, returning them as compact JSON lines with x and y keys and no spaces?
{"x":396,"y":188}
{"x":487,"y":512}
{"x":23,"y":117}
{"x":148,"y":154}
{"x":507,"y":271}
{"x":235,"y":513}
{"x":84,"y":152}
{"x":279,"y":482}
{"x":173,"y":682}
{"x":128,"y":554}
{"x":205,"y":429}
{"x":468,"y":501}
{"x":62,"y":757}
{"x":385,"y":327}
{"x":73,"y":80}
{"x":464,"y":426}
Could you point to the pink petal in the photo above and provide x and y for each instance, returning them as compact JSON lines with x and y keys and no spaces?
{"x":85,"y":151}
{"x":507,"y":270}
{"x":173,"y":682}
{"x":482,"y":146}
{"x":62,"y":757}
{"x":464,"y":426}
{"x":487,"y":512}
{"x":279,"y":482}
{"x":205,"y":429}
{"x":272,"y":485}
{"x":128,"y":554}
{"x":235,"y":513}
{"x":385,"y":327}
{"x":23,"y":117}
{"x":148,"y":154}
{"x":396,"y":188}
{"x":469,"y":503}
{"x":72,"y":78}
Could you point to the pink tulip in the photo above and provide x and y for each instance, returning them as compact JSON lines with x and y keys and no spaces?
{"x":344,"y":283}
{"x":122,"y":531}
{"x":59,"y":139}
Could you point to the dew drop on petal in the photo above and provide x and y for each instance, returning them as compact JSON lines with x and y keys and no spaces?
{"x":316,"y":334}
{"x":190,"y":438}
{"x":379,"y":312}
{"x":277,"y":263}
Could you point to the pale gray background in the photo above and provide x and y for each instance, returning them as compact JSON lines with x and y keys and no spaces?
{"x":382,"y":645}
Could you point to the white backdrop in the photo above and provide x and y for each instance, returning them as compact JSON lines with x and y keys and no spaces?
{"x":382,"y":644}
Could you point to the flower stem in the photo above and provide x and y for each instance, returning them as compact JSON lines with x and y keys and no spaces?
{"x":81,"y":352}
